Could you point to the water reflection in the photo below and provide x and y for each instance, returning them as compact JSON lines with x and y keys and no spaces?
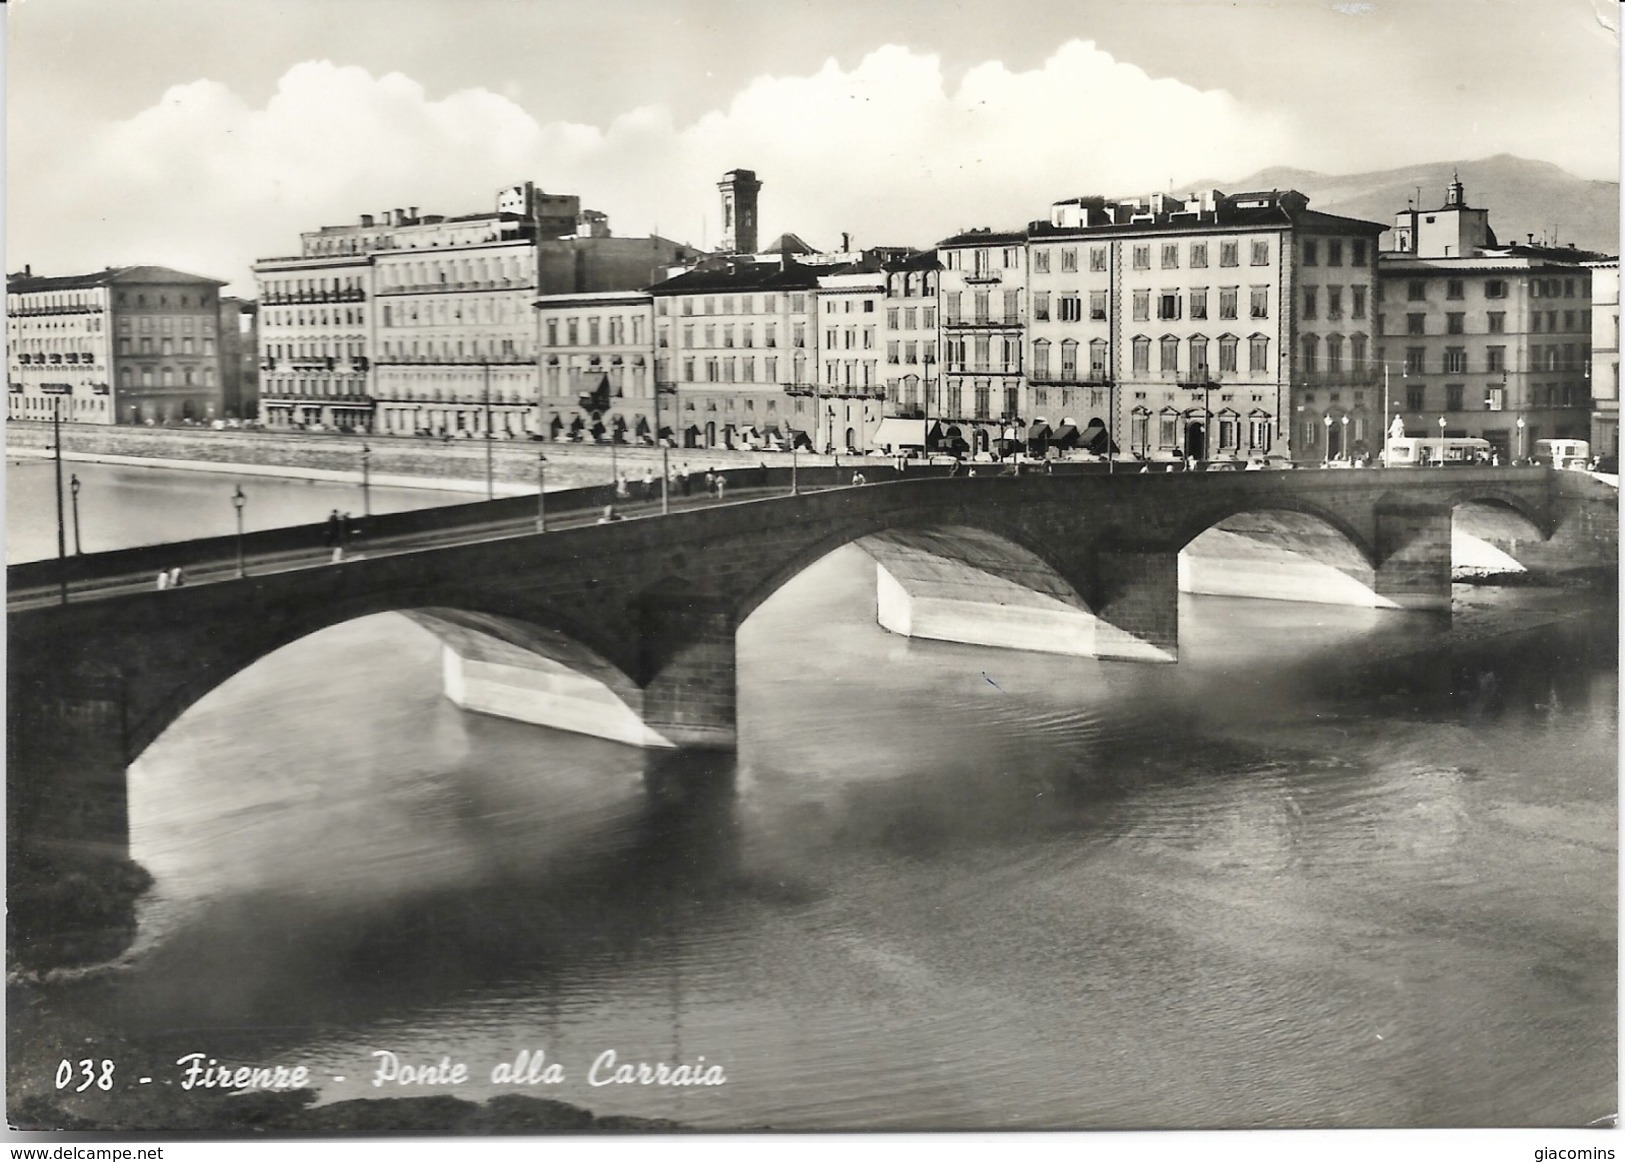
{"x":1286,"y":882}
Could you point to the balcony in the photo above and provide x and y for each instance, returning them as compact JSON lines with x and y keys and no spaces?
{"x":988,"y":322}
{"x":1092,"y":379}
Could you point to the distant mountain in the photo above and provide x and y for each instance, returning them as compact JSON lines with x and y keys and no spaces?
{"x":1523,"y":197}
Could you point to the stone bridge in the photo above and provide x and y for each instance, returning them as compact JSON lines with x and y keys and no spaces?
{"x":649,"y":607}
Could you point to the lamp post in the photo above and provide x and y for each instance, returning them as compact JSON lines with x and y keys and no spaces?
{"x":366,"y":481}
{"x":61,"y":534}
{"x":490,"y":478}
{"x":1345,"y":422}
{"x":1520,"y":438}
{"x":795,"y":488}
{"x":665,"y":469}
{"x":1441,"y":440}
{"x":1328,"y":461}
{"x":238,"y":500}
{"x":541,"y":492}
{"x":73,"y":487}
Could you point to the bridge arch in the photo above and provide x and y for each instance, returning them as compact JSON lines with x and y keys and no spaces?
{"x":1211,"y":514}
{"x":455,"y":619}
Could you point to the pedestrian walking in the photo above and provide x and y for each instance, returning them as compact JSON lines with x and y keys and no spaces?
{"x":649,"y":484}
{"x":620,"y":487}
{"x":335,"y":529}
{"x":722,"y":484}
{"x":857,"y":478}
{"x":163,"y":580}
{"x":177,"y":577}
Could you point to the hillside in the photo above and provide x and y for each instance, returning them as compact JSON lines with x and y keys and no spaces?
{"x":1523,"y":197}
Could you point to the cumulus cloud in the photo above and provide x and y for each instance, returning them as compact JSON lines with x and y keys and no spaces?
{"x":889,"y":150}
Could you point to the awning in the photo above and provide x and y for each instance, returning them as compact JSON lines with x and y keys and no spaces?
{"x":1095,"y":438}
{"x":800,"y":439}
{"x":1037,"y":432}
{"x":894,"y":432}
{"x":1065,"y":435}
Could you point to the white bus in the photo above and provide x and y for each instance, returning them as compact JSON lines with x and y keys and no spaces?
{"x":1562,"y":453}
{"x":1434,"y":451}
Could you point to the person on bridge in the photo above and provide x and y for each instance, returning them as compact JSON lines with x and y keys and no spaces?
{"x":857,"y":478}
{"x":649,"y":490}
{"x":609,"y":515}
{"x":177,"y":577}
{"x":163,"y":580}
{"x":722,"y":484}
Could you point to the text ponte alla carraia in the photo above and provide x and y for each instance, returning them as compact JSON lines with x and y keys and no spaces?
{"x":533,"y":1068}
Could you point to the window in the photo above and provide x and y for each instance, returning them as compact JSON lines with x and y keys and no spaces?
{"x":1041,"y":305}
{"x":1416,"y":290}
{"x":1415,"y":398}
{"x":1069,"y":258}
{"x":1229,"y":254}
{"x":1168,"y":359}
{"x":1495,"y":288}
{"x":1170,"y":256}
{"x":1453,"y":393}
{"x":1199,"y":303}
{"x":950,"y":307}
{"x":1140,"y":437}
{"x":1415,"y":360}
{"x":1454,"y":323}
{"x":1455,"y":360}
{"x":1097,"y":359}
{"x":1041,"y":359}
{"x":1069,"y":308}
{"x":1334,"y":353}
{"x":1097,"y":258}
{"x":1357,"y":303}
{"x":1258,"y":354}
{"x":1168,"y":305}
{"x":1359,"y":252}
{"x":1227,"y":302}
{"x":1012,"y":306}
{"x":1261,"y":253}
{"x":1260,"y":301}
{"x":1227,"y":353}
{"x":1416,"y":324}
{"x":1455,"y":288}
{"x":979,"y":303}
{"x":1198,"y":357}
{"x":1311,"y":350}
{"x":1069,"y":360}
{"x":1040,"y":262}
{"x":1311,"y":252}
{"x":1357,"y":351}
{"x":1142,"y":355}
{"x":1142,"y":305}
{"x":1334,"y":252}
{"x":1309,"y":307}
{"x":1198,"y":255}
{"x":1012,"y":257}
{"x":1495,"y":359}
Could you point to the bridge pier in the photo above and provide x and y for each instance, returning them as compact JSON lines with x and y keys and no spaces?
{"x":1413,"y":555}
{"x":66,"y":756}
{"x":690,"y":687}
{"x":1135,"y":596}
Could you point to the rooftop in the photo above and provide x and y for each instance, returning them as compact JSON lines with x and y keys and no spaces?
{"x":25,"y":282}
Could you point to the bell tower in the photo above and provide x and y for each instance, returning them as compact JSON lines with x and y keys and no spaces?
{"x":739,"y":188}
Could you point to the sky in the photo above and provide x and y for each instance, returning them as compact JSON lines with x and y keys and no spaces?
{"x":203,"y":134}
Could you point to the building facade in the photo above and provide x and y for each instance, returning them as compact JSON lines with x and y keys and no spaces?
{"x":1476,"y":338}
{"x":984,"y":316}
{"x":852,"y":342}
{"x":597,"y":364}
{"x":422,"y":324}
{"x":132,"y":345}
{"x":1605,"y":357}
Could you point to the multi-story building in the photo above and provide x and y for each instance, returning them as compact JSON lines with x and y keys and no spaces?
{"x":422,"y":324}
{"x":1482,"y":339}
{"x":736,"y":340}
{"x":851,"y":348}
{"x":912,"y":346}
{"x":131,"y":345}
{"x":239,"y":358}
{"x":599,"y":347}
{"x":1605,"y":357}
{"x":1183,"y":326}
{"x":982,"y":293}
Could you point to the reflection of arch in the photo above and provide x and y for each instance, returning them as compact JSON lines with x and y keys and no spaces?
{"x":1489,"y":495}
{"x":546,"y":632}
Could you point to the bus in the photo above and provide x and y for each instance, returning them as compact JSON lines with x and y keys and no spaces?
{"x":1562,"y":453}
{"x":1435,"y":451}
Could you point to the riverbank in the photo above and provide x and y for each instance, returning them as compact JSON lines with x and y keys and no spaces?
{"x":391,"y":461}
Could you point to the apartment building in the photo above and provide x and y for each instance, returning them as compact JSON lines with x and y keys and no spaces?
{"x":599,"y":347}
{"x":1173,"y":326}
{"x":982,"y":298}
{"x":422,"y":324}
{"x":127,"y":345}
{"x":912,"y":340}
{"x":736,"y":341}
{"x":1493,"y":340}
{"x":852,"y":342}
{"x":1605,"y":357}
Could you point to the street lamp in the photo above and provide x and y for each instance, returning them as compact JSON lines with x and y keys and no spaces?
{"x":1345,"y":422}
{"x":366,"y":481}
{"x":1441,"y":439}
{"x":794,"y":487}
{"x":1520,"y":437}
{"x":238,"y":500}
{"x":73,"y":486}
{"x":1328,"y":462}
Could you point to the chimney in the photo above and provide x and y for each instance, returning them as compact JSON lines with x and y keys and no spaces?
{"x":412,"y":212}
{"x":846,"y":242}
{"x":366,"y":219}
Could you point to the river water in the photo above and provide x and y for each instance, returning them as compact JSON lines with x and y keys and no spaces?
{"x":1338,"y":867}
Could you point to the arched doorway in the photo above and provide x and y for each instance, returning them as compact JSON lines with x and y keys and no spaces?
{"x":1196,"y":440}
{"x":711,"y":435}
{"x":851,"y":440}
